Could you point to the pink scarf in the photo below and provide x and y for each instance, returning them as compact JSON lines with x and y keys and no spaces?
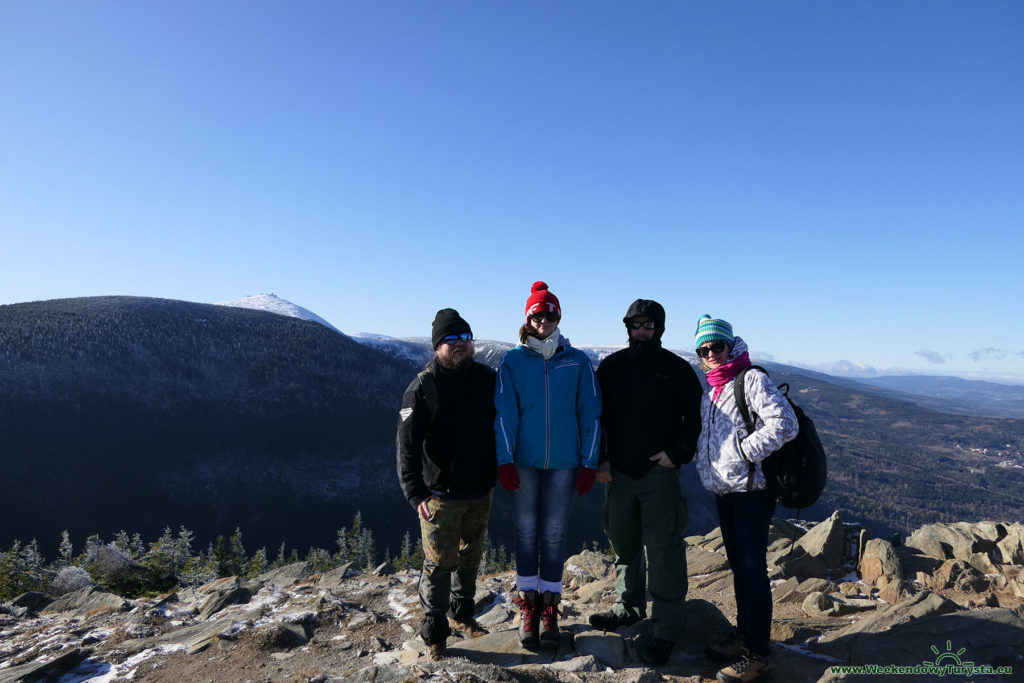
{"x":723,"y":374}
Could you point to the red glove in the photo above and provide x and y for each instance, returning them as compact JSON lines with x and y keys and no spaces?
{"x":585,"y":480}
{"x":508,"y":476}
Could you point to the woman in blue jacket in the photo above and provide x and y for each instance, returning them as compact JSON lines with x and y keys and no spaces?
{"x":547,"y":427}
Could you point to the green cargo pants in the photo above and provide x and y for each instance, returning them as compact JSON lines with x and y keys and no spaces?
{"x":453,"y":542}
{"x":650,"y":511}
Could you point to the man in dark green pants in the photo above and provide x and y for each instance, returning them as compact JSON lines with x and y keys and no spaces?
{"x":650,"y":422}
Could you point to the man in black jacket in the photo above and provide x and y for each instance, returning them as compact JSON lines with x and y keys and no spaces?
{"x":447,"y":466}
{"x":650,"y":422}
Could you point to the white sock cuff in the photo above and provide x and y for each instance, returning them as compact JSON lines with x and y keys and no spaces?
{"x":527,"y":583}
{"x":550,"y":586}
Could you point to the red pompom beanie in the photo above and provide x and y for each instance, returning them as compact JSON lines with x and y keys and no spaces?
{"x":542,"y":301}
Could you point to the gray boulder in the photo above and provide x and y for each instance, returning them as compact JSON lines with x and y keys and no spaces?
{"x":815,"y":553}
{"x":922,"y":605}
{"x":288,"y":575}
{"x":609,"y":648}
{"x":959,"y":540}
{"x":221,"y":598}
{"x":825,"y":540}
{"x":795,"y":590}
{"x":587,"y":566}
{"x":87,"y":600}
{"x":1011,"y":547}
{"x":33,"y":601}
{"x":992,"y":637}
{"x":35,"y":671}
{"x":879,"y":558}
{"x":700,"y":561}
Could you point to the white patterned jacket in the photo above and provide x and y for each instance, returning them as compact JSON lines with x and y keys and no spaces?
{"x":724,"y":448}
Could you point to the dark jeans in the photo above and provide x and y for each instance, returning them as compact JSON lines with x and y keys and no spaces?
{"x":745,"y":519}
{"x":542,"y":506}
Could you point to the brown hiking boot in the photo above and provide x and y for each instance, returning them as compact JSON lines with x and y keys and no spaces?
{"x":529,"y":616}
{"x":437,"y":652}
{"x":750,"y":667}
{"x":468,"y":626}
{"x":729,"y":650}
{"x":547,"y":604}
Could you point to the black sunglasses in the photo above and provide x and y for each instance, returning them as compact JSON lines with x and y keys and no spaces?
{"x":456,"y":338}
{"x":716,"y":347}
{"x":647,"y":324}
{"x":550,"y":317}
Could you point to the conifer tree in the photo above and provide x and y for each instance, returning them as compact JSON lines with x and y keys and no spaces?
{"x":66,"y":552}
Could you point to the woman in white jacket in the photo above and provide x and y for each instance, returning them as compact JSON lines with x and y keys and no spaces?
{"x":725,"y":453}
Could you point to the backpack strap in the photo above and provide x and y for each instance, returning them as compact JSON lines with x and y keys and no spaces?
{"x":429,"y":389}
{"x":740,"y":394}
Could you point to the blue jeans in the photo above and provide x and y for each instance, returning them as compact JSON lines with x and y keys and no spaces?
{"x":745,"y":519}
{"x":541,"y":507}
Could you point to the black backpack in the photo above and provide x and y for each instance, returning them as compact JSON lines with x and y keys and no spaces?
{"x":796,"y":473}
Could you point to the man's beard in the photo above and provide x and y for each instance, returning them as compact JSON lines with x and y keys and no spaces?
{"x":458,"y":362}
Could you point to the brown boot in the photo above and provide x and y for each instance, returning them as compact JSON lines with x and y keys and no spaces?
{"x":547,"y":604}
{"x":437,"y":652}
{"x":469,"y":626}
{"x":529,"y":616}
{"x":748,"y":668}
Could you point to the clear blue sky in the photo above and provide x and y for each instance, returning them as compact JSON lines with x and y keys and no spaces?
{"x":840,"y":180}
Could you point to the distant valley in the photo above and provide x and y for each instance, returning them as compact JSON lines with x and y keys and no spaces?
{"x":134,"y":413}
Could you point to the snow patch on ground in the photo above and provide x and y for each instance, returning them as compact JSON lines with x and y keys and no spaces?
{"x":103,"y":672}
{"x":401,"y":603}
{"x":800,"y":649}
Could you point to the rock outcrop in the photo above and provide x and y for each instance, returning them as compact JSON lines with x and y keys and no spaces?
{"x":345,"y":625}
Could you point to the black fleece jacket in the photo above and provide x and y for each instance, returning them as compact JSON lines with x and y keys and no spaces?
{"x":651,"y":402}
{"x":452,"y":453}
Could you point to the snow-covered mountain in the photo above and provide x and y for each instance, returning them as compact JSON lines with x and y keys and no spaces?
{"x":272,"y":303}
{"x":417,"y":350}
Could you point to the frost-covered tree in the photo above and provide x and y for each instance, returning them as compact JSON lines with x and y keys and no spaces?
{"x":66,"y":556}
{"x":257,"y":564}
{"x":167,"y":557}
{"x":131,"y":546}
{"x":70,"y":579}
{"x":280,"y":559}
{"x":404,"y":552}
{"x":320,"y":559}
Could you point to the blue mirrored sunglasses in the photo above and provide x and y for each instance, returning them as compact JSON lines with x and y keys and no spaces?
{"x":456,"y":338}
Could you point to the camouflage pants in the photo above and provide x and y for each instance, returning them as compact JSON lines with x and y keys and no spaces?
{"x":453,"y":542}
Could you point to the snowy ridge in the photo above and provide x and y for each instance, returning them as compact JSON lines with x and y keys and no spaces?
{"x":275,"y":304}
{"x":416,"y":350}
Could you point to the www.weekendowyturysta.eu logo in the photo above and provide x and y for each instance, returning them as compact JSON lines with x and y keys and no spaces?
{"x":945,"y":663}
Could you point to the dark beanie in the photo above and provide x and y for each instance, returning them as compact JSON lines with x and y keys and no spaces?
{"x":447,"y":321}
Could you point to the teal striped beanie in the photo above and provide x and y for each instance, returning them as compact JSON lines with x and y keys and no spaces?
{"x":709,"y":329}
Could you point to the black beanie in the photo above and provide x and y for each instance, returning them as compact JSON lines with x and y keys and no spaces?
{"x":447,"y":321}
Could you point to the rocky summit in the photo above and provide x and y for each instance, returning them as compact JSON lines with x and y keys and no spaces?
{"x":950,"y":594}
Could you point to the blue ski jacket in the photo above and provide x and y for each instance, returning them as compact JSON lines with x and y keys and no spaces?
{"x":549,"y":411}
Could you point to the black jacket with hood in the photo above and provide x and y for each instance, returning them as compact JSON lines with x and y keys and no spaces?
{"x":451,"y":453}
{"x":651,"y":401}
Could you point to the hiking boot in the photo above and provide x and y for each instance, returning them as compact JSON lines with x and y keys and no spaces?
{"x":547,"y":604}
{"x":610,"y":620}
{"x":529,"y":618}
{"x":437,"y":652}
{"x":729,"y":650}
{"x":749,"y":667}
{"x":656,"y":651}
{"x":468,"y":626}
